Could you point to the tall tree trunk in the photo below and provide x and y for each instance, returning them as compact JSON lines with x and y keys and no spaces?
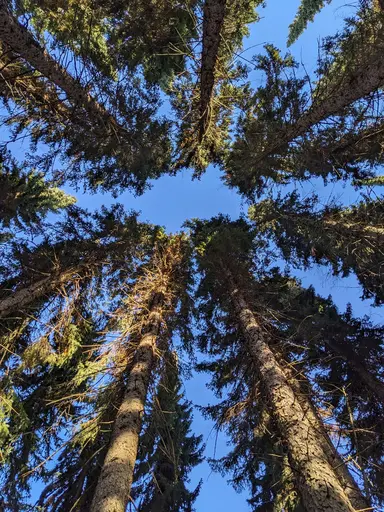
{"x":317,"y":481}
{"x":20,"y":84}
{"x":214,"y":14}
{"x":22,"y":42}
{"x":358,"y":78}
{"x":352,"y":359}
{"x":25,"y":296}
{"x":302,"y":393}
{"x":115,"y":481}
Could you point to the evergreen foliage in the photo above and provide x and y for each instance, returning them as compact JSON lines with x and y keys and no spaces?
{"x":349,"y":239}
{"x":97,"y":310}
{"x":168,"y":450}
{"x":281,"y":120}
{"x":26,"y":198}
{"x":307,"y":11}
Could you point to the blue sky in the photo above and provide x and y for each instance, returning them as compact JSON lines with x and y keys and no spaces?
{"x":172,"y":200}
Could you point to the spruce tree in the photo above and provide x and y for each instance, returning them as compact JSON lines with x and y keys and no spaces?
{"x":307,"y":11}
{"x":226,"y":249}
{"x":348,"y":77}
{"x":168,"y":450}
{"x":152,"y":302}
{"x":348,"y":239}
{"x":26,"y":198}
{"x":98,"y":140}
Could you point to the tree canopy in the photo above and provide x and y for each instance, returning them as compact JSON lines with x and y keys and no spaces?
{"x":105,"y":317}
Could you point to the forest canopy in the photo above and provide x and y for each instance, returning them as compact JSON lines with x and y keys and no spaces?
{"x":108,"y":320}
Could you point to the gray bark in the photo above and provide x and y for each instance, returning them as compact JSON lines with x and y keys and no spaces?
{"x":21,"y":41}
{"x":115,"y":481}
{"x":214,"y":14}
{"x":318,"y":484}
{"x":22,"y":298}
{"x":348,"y":483}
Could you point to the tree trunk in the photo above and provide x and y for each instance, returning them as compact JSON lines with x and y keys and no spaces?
{"x":20,"y":84}
{"x":115,"y":481}
{"x":25,"y":296}
{"x":355,"y":82}
{"x":214,"y":14}
{"x":348,"y":483}
{"x":21,"y":41}
{"x":317,"y":481}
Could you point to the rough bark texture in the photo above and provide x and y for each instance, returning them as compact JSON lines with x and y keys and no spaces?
{"x":115,"y":481}
{"x":356,"y":82}
{"x":348,"y":483}
{"x":317,"y":481}
{"x":352,"y":359}
{"x":20,"y":83}
{"x":214,"y":14}
{"x":25,"y":296}
{"x":21,"y":41}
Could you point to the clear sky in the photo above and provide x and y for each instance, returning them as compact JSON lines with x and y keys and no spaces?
{"x":172,"y":200}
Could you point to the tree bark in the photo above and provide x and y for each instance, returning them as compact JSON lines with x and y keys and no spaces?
{"x":317,"y":481}
{"x":19,"y":83}
{"x":115,"y":481}
{"x":21,"y":41}
{"x":25,"y":296}
{"x":214,"y":14}
{"x":352,"y":84}
{"x":348,"y":483}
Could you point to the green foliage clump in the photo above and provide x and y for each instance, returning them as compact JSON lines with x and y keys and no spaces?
{"x":306,"y":13}
{"x":26,"y":198}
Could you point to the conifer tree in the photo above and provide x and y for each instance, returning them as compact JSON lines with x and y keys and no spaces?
{"x":37,"y":390}
{"x":104,"y":148}
{"x":307,"y":11}
{"x":352,"y":71}
{"x":168,"y":451}
{"x":206,"y":109}
{"x":21,"y":42}
{"x":349,"y":239}
{"x":154,"y":299}
{"x":225,"y":249}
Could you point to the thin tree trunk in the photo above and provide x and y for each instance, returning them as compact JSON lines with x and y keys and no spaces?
{"x":348,"y":483}
{"x":352,"y":359}
{"x":21,"y":41}
{"x":214,"y":14}
{"x":317,"y":481}
{"x":115,"y":481}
